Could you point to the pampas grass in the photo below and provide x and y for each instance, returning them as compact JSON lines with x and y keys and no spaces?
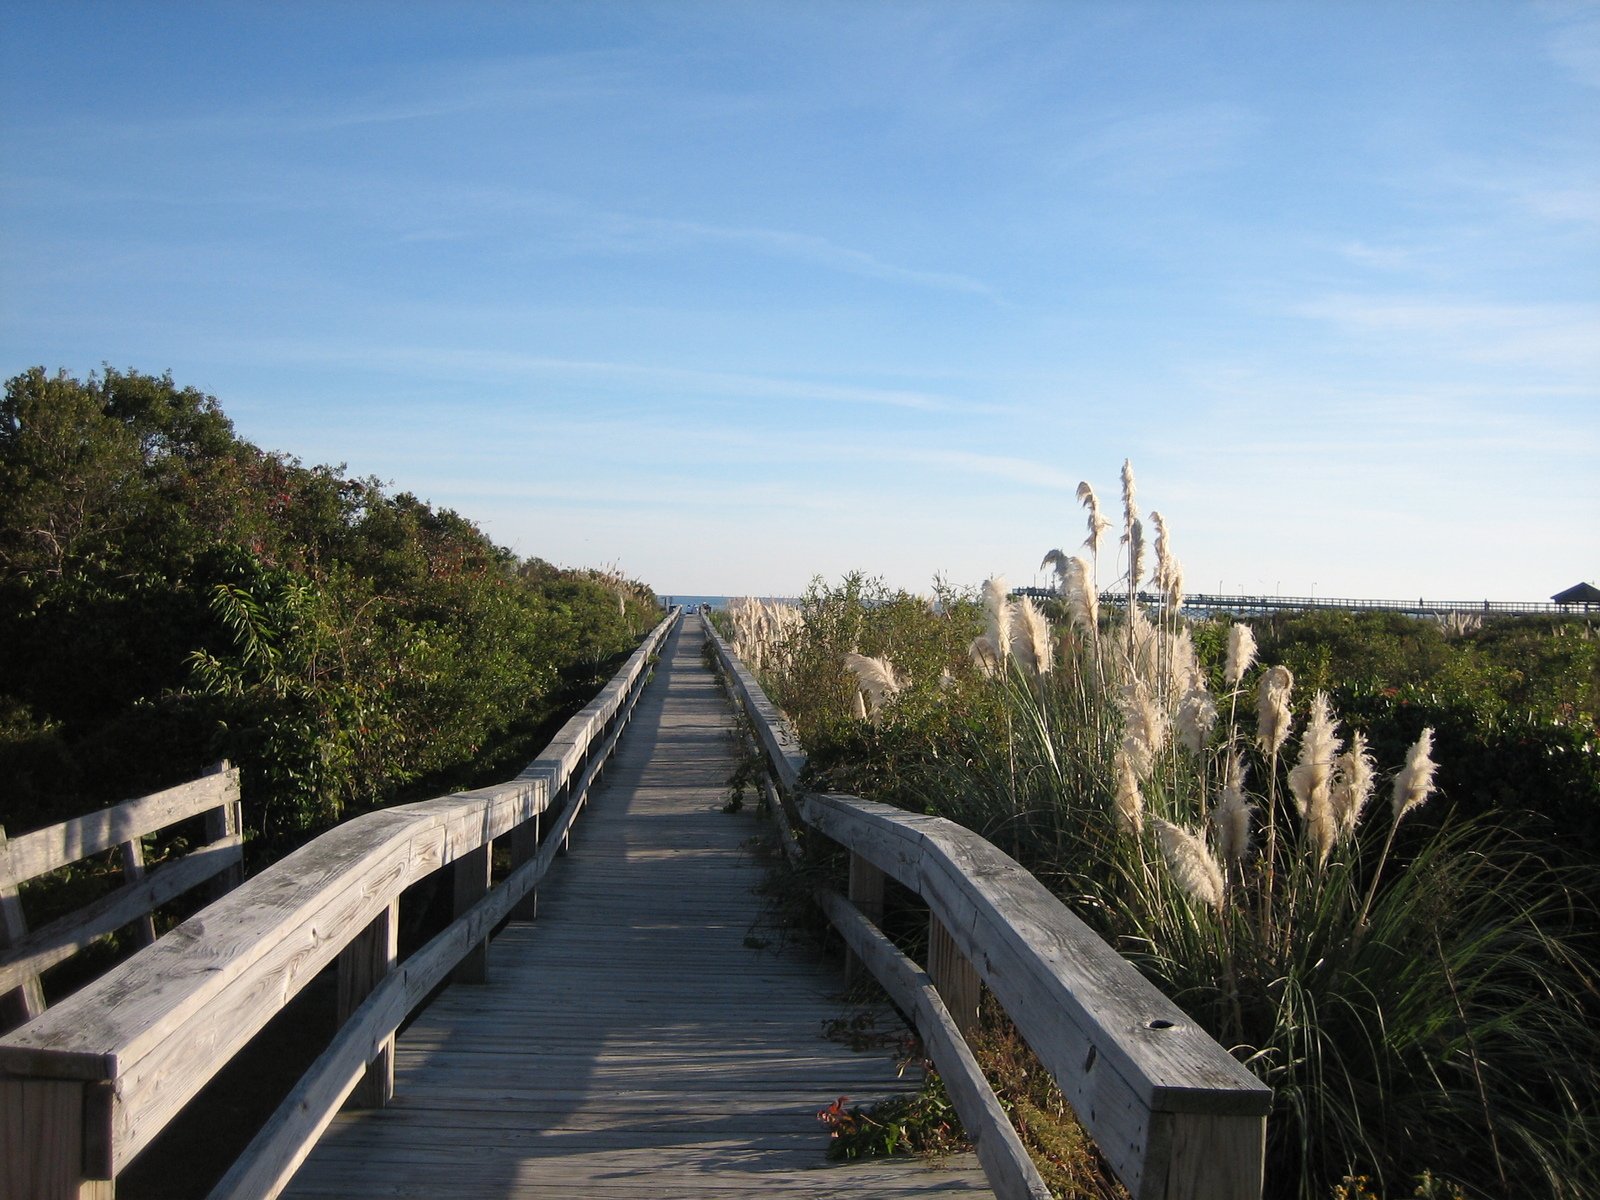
{"x":1097,"y":523}
{"x":1311,"y":778}
{"x":1414,"y":784}
{"x":1413,"y":1004}
{"x":1273,"y":711}
{"x":876,"y":677}
{"x":1241,"y":654}
{"x":1031,"y":643}
{"x":1128,"y":800}
{"x":1191,"y":864}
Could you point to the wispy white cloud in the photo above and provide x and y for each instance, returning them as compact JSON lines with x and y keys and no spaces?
{"x":1575,"y":47}
{"x":1151,"y":148}
{"x":512,"y":367}
{"x":813,"y":249}
{"x":1551,"y":336}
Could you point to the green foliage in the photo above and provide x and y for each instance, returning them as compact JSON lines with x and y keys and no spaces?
{"x":1418,"y":993}
{"x":920,"y":1122}
{"x":171,"y":594}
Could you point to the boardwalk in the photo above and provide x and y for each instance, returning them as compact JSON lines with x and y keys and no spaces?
{"x":630,"y":1043}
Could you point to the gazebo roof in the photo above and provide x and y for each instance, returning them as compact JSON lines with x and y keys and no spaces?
{"x":1578,"y":593}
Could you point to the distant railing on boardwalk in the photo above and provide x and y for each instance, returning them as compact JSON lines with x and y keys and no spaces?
{"x":89,"y":1084}
{"x":1172,"y":1111}
{"x":1421,"y":607}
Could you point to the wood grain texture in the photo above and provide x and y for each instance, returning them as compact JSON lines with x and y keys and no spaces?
{"x":22,"y":999}
{"x":43,"y":850}
{"x":1006,"y":1163}
{"x":161,"y":1024}
{"x":61,"y":939}
{"x":639,"y":1040}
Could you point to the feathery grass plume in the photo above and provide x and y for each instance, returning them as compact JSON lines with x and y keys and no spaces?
{"x":1197,"y":715}
{"x":1414,"y":784}
{"x":1319,"y":747}
{"x":1311,"y":778}
{"x":1128,"y":801}
{"x":1083,"y":597}
{"x":1130,"y":507}
{"x":981,"y":651}
{"x":1182,"y":663}
{"x":1097,"y":524}
{"x":1230,"y":819}
{"x":858,"y":704}
{"x":1169,"y":571}
{"x":876,"y":676}
{"x":1141,"y":647}
{"x":1272,"y":708}
{"x":1241,"y":653}
{"x":1135,"y":539}
{"x":1030,"y":638}
{"x":1058,"y":561}
{"x":1192,"y":865}
{"x":1353,"y":778}
{"x":1144,"y":727}
{"x":1412,"y":787}
{"x":997,"y":603}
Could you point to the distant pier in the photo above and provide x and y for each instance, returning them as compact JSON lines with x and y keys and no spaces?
{"x":1202,"y":604}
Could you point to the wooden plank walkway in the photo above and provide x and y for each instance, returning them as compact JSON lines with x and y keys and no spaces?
{"x":630,"y":1044}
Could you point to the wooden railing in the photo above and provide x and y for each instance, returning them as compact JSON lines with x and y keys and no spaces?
{"x":1421,"y":607}
{"x":1173,"y":1113}
{"x":86,"y":1086}
{"x":25,"y":954}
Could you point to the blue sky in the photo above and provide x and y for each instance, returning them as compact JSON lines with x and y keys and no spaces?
{"x":735,"y":294}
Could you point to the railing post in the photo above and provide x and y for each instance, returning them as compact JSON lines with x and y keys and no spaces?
{"x":471,"y":885}
{"x":226,"y":820}
{"x":362,"y":966}
{"x":866,"y":893}
{"x":43,"y":1148}
{"x":26,"y":1001}
{"x":954,"y":976}
{"x":524,"y":845}
{"x":132,"y":853}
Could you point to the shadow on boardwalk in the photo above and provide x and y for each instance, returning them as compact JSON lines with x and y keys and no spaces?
{"x":629,"y":1043}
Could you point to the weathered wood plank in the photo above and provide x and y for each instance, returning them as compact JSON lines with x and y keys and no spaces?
{"x":772,"y":728}
{"x":163,"y":1022}
{"x":65,"y":936}
{"x":866,"y":893}
{"x":44,"y":850}
{"x":132,"y":855}
{"x":631,"y":1042}
{"x":224,"y":824}
{"x":23,"y":998}
{"x":1124,"y":1055}
{"x":363,"y":965}
{"x":41,"y":1142}
{"x":953,"y":975}
{"x":1010,"y":1171}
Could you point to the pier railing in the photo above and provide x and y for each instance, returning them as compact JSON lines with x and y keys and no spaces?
{"x":89,"y":1083}
{"x":1173,"y":1113}
{"x":1246,"y":605}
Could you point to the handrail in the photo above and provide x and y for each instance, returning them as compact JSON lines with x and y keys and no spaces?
{"x":1421,"y":607}
{"x":25,"y":953}
{"x":1173,"y":1112}
{"x":91,"y":1082}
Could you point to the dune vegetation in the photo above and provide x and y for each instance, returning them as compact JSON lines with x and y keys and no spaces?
{"x":1302,"y":838}
{"x":171,"y":594}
